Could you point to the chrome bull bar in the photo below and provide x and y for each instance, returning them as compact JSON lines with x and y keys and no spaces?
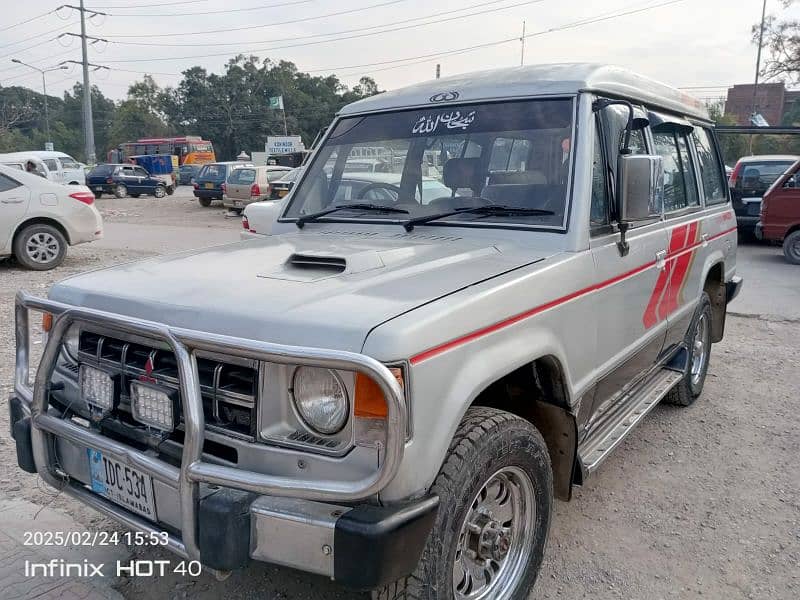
{"x":193,"y":470}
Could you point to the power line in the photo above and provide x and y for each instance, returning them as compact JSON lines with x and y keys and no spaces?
{"x":131,"y":6}
{"x":338,"y":39}
{"x":573,"y":25}
{"x":275,"y":24}
{"x":341,"y":32}
{"x":7,"y":27}
{"x":213,"y":12}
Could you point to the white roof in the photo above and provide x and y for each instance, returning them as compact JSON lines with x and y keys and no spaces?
{"x":536,"y":80}
{"x":769,"y":158}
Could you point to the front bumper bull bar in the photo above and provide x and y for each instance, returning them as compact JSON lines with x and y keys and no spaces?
{"x":193,"y":470}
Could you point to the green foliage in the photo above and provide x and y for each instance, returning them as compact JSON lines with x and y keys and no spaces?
{"x":230,"y":109}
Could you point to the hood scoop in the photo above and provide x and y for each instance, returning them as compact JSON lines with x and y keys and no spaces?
{"x":316,"y":265}
{"x":333,"y":264}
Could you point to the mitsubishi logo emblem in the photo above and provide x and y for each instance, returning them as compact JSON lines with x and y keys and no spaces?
{"x":148,"y":371}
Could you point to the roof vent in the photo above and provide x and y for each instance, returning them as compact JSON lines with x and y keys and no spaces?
{"x":332,"y":264}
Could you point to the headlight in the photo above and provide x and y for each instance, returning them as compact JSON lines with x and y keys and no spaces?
{"x":70,"y":342}
{"x":320,"y":399}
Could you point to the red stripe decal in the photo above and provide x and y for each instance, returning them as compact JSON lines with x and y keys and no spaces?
{"x":436,"y":350}
{"x":479,"y":333}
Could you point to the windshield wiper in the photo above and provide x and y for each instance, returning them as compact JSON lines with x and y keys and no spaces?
{"x":489,"y":210}
{"x":362,"y":206}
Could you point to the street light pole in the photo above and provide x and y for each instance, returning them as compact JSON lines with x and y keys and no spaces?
{"x":44,"y":91}
{"x":758,"y":62}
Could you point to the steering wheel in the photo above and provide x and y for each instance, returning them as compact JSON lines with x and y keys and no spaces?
{"x":392,"y":189}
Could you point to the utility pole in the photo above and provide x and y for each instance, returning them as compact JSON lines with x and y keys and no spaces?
{"x":88,"y":124}
{"x":758,"y":62}
{"x":522,"y":43}
{"x":49,"y":143}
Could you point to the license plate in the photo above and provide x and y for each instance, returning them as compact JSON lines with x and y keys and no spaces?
{"x":282,"y":193}
{"x":98,"y":189}
{"x":208,"y":186}
{"x":238,"y":203}
{"x":122,"y":484}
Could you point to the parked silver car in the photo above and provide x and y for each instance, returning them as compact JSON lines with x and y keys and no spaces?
{"x":391,"y":392}
{"x":249,"y":184}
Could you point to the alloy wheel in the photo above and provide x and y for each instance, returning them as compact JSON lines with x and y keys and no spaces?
{"x":496,"y":537}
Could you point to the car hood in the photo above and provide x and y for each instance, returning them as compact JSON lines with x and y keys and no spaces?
{"x":324,"y":289}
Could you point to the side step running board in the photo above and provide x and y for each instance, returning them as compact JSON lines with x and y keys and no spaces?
{"x":596,"y":448}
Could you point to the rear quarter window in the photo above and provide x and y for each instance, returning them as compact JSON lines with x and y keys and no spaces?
{"x":101,"y":171}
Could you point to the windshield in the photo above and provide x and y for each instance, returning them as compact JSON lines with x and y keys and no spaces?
{"x":759,"y":176}
{"x":434,"y":160}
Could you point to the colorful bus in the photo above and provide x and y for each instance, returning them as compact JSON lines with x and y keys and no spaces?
{"x":190,"y":149}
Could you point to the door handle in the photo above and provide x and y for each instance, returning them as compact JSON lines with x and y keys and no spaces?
{"x":661,"y":260}
{"x":11,"y":201}
{"x":704,"y":240}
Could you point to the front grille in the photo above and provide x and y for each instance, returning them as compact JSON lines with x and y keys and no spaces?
{"x":228,"y":389}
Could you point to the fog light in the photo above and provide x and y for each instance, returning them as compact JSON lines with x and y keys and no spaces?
{"x":98,"y":389}
{"x":154,"y":406}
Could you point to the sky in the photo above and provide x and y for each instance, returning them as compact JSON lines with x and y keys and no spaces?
{"x":685,"y":43}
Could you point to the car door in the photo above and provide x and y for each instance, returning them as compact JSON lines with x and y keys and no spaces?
{"x":781,"y":207}
{"x":684,"y":223}
{"x":56,"y":172}
{"x":144,"y":183}
{"x":14,"y":200}
{"x":629,"y":333}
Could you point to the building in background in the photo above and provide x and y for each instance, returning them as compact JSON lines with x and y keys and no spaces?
{"x":773,"y":102}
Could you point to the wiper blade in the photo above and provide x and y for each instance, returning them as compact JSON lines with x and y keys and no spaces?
{"x":488,"y":210}
{"x":359,"y":206}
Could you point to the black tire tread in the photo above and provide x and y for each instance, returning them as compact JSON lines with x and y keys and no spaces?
{"x":681,"y":394}
{"x":476,"y":424}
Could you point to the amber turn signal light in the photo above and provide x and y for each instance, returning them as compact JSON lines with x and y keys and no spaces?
{"x":47,"y":321}
{"x":370,"y":402}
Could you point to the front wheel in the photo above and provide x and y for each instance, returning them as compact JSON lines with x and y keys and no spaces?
{"x":160,"y":191}
{"x":791,"y":247}
{"x":40,"y":247}
{"x":698,"y":344}
{"x":495,"y":501}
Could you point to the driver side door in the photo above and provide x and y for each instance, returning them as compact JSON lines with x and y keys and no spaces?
{"x":630,"y":332}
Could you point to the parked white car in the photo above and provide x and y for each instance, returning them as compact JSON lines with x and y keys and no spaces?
{"x":20,"y":160}
{"x":40,"y":218}
{"x":61,"y":167}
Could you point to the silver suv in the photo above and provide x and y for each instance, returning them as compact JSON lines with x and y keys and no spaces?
{"x":388,"y":391}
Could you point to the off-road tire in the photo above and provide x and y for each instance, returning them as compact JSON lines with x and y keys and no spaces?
{"x":791,"y":247}
{"x":204,"y":202}
{"x":687,"y":391}
{"x":121,"y":191}
{"x":486,"y":440}
{"x":44,"y":231}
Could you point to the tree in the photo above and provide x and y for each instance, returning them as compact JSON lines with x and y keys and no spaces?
{"x":782,"y":41}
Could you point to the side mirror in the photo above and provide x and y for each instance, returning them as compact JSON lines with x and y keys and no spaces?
{"x":641,"y":187}
{"x":268,"y":213}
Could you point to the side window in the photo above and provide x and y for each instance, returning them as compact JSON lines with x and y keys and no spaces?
{"x":599,"y":208}
{"x":689,"y":174}
{"x":711,"y":172}
{"x":680,"y":190}
{"x":637,"y":143}
{"x":6,"y":183}
{"x":51,"y":164}
{"x":140,"y":172}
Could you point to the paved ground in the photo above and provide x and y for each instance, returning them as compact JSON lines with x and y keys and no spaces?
{"x":698,"y":502}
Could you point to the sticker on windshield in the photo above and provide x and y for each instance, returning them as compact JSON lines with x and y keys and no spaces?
{"x":453,"y":120}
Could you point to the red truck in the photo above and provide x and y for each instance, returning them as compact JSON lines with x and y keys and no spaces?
{"x":780,"y":214}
